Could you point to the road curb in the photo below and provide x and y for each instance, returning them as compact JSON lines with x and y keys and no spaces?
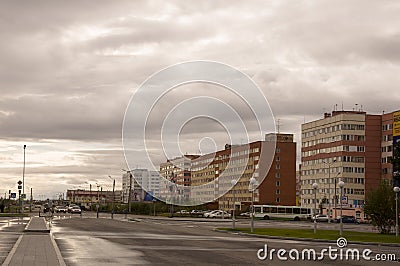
{"x":57,"y":250}
{"x":182,"y":219}
{"x":308,"y":239}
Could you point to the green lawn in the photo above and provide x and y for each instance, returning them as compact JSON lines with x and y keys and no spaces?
{"x":13,"y":214}
{"x":321,"y":234}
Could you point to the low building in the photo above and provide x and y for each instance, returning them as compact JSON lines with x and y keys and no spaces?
{"x":88,"y":198}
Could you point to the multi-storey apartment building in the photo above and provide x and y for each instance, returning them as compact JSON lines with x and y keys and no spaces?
{"x":177,"y":171}
{"x":351,"y":146}
{"x":212,"y":173}
{"x":142,"y":181}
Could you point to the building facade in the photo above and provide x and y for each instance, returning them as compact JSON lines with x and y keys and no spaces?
{"x":178,"y":172}
{"x":351,"y":146}
{"x":88,"y":198}
{"x":142,"y":181}
{"x":212,"y":172}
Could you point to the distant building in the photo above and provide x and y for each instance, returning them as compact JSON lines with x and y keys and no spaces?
{"x":88,"y":198}
{"x":143,"y":181}
{"x":178,"y":172}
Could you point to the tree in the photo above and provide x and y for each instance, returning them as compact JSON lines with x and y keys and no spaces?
{"x":380,"y":207}
{"x":395,"y":161}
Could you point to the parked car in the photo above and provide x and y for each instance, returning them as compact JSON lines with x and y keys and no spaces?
{"x":207,"y":214}
{"x":72,"y":206}
{"x":321,"y":218}
{"x":182,"y":212}
{"x":245,"y":214}
{"x":219,"y":214}
{"x":196,"y":213}
{"x":76,"y":209}
{"x":58,"y":209}
{"x":347,"y":219}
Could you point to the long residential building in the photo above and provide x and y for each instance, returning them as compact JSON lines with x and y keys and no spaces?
{"x":274,"y":159}
{"x":351,"y":146}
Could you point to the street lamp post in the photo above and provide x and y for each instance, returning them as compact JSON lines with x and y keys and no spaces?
{"x":233,"y":182}
{"x":252,"y":184}
{"x":341,"y":185}
{"x":396,"y":190}
{"x":23,"y":183}
{"x":329,"y":190}
{"x":130,"y":192}
{"x":335,"y":201}
{"x":90,"y":193}
{"x":98,"y":201}
{"x":315,"y":187}
{"x":113,"y":200}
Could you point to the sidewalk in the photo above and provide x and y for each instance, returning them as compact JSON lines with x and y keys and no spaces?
{"x":35,"y":247}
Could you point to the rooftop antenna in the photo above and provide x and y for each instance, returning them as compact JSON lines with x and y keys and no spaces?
{"x":356,"y":106}
{"x":342,"y":106}
{"x":361,"y":108}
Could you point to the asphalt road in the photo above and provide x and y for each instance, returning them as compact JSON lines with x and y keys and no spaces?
{"x":90,"y":241}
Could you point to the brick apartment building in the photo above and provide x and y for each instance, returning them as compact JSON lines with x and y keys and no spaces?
{"x":351,"y":146}
{"x":212,"y":173}
{"x":177,"y":171}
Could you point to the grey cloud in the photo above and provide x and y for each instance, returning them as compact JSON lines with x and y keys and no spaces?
{"x":58,"y":82}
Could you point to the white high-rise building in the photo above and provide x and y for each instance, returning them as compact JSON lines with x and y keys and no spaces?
{"x":143,"y":180}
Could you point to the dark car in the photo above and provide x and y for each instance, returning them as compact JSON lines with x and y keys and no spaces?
{"x":347,"y":219}
{"x":47,"y":208}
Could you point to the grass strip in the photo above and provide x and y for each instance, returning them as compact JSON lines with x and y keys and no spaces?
{"x":321,"y":234}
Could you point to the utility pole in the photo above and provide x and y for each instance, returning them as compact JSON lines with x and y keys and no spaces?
{"x":113,"y":199}
{"x":91,"y":197}
{"x":30,"y":206}
{"x":130,"y":192}
{"x":98,"y":201}
{"x":23,"y":182}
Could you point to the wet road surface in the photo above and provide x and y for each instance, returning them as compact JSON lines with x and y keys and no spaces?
{"x":91,"y":241}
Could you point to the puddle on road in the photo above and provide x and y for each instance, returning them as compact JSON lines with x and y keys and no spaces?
{"x":85,"y":250}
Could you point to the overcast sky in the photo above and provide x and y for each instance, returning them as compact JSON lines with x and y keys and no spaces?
{"x":69,"y":68}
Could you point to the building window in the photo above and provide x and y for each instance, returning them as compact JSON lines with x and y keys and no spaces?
{"x":278,"y":200}
{"x":278,"y":191}
{"x":278,"y":150}
{"x":277,"y":175}
{"x":278,"y":183}
{"x":278,"y":166}
{"x":278,"y":158}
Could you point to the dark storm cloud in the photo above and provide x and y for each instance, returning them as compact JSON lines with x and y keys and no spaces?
{"x":68,"y":68}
